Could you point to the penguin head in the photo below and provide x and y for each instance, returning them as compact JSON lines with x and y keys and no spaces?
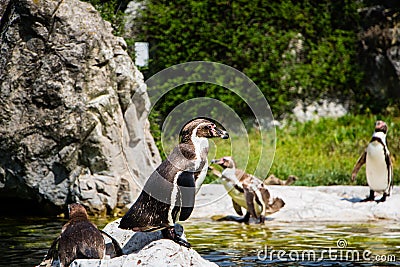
{"x":225,"y":162}
{"x":77,"y":211}
{"x":201,"y":128}
{"x":381,"y":126}
{"x":291,"y":179}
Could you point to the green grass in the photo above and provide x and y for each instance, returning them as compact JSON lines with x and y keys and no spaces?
{"x":319,"y":152}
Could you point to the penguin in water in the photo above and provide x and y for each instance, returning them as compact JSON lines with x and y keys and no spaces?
{"x":246,"y":191}
{"x":79,"y":239}
{"x":379,"y":168}
{"x":169,"y":193}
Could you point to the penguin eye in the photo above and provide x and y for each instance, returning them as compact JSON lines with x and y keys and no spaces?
{"x":210,"y":126}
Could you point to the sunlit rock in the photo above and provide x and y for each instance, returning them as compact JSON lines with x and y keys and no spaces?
{"x":73,"y":117}
{"x":146,"y":249}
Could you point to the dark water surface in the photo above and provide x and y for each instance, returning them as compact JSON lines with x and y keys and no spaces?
{"x":25,"y":240}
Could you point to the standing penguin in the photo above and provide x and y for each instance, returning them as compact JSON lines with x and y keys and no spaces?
{"x":378,"y":164}
{"x":79,"y":239}
{"x":169,"y":193}
{"x":247,"y":191}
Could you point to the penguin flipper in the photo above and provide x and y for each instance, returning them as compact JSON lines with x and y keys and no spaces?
{"x":117,"y":247}
{"x":52,"y":254}
{"x":93,"y":245}
{"x":276,"y":205}
{"x":361,"y":161}
{"x":186,"y":195}
{"x":237,"y":208}
{"x":249,"y":196}
{"x":265,"y":194}
{"x":390,"y":173}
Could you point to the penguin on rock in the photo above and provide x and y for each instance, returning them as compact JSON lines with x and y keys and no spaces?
{"x":379,"y":170}
{"x":169,"y":193}
{"x":246,"y":191}
{"x":79,"y":239}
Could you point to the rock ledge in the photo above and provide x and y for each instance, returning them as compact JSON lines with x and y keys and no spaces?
{"x":145,"y":249}
{"x":307,"y":204}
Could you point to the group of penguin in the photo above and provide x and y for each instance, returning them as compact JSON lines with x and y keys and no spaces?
{"x":168,"y":195}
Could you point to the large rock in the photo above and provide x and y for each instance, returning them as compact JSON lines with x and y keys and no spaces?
{"x":380,"y":49}
{"x":73,"y":109}
{"x":146,"y":249}
{"x":163,"y":252}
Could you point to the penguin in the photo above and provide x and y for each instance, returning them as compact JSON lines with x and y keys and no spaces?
{"x":79,"y":239}
{"x":246,"y":191}
{"x":273,"y":180}
{"x":169,"y":193}
{"x":379,"y":170}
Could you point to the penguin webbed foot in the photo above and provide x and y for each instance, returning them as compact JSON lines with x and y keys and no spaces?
{"x":371,"y":197}
{"x":170,"y":233}
{"x":383,"y":199}
{"x":262,"y":219}
{"x":232,"y":218}
{"x":245,"y":218}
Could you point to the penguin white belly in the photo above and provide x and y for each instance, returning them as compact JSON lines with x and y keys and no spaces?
{"x":201,"y":177}
{"x":376,"y":169}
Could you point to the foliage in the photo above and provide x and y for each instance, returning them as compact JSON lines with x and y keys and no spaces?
{"x":325,"y":152}
{"x":290,"y":49}
{"x":111,"y":11}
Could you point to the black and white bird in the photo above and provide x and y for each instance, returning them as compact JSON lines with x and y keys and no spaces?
{"x":378,"y":164}
{"x":246,"y":191}
{"x":79,"y":239}
{"x":169,"y":193}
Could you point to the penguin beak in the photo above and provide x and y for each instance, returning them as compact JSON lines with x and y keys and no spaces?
{"x":217,"y":161}
{"x":381,"y":126}
{"x":221,"y":133}
{"x":214,"y":161}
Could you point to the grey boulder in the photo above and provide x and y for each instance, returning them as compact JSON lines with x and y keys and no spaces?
{"x":74,"y":108}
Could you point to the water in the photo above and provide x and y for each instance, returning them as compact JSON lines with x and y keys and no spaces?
{"x":284,"y":244}
{"x":25,"y":240}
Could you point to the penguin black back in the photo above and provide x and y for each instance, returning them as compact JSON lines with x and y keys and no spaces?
{"x":79,"y":239}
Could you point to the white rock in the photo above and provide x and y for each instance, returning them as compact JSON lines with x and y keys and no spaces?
{"x":318,"y":109}
{"x":320,"y":203}
{"x":145,"y":249}
{"x":162,"y":252}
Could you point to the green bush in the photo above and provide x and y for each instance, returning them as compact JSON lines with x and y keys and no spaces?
{"x":254,"y":37}
{"x":111,"y":11}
